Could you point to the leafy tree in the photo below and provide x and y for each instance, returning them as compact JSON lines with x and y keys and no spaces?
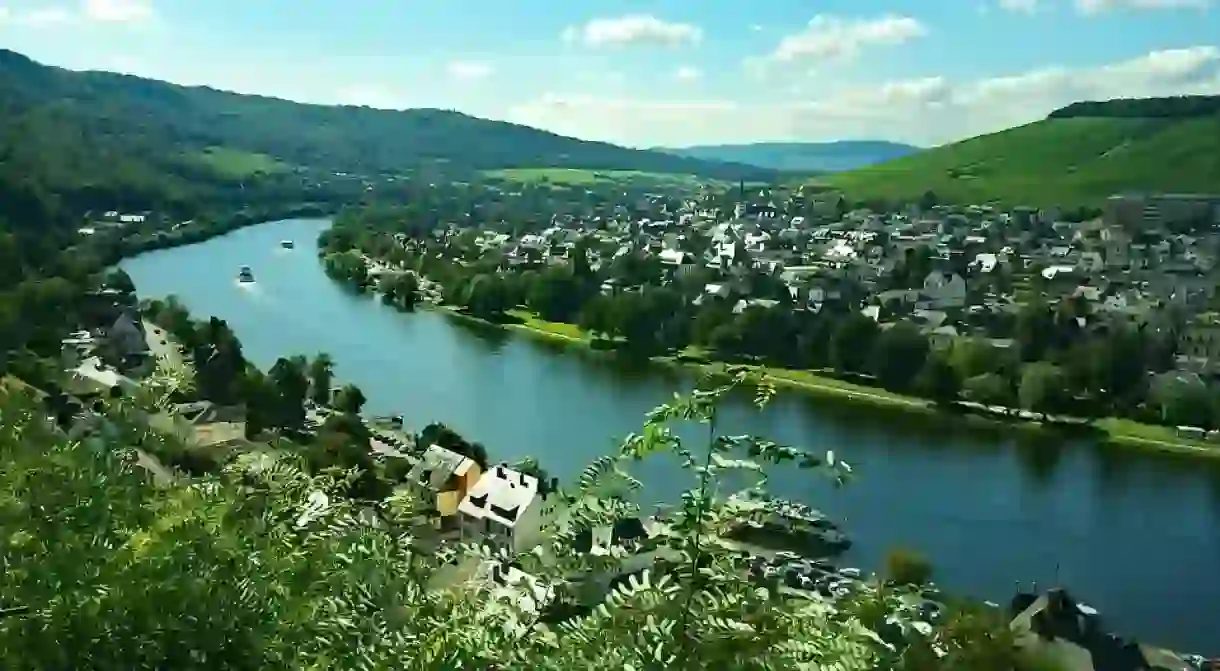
{"x":1183,"y":402}
{"x":988,"y":389}
{"x":903,"y":567}
{"x":487,"y":298}
{"x":321,"y":378}
{"x":852,"y":343}
{"x":268,"y":566}
{"x":1042,"y":389}
{"x":938,"y":381}
{"x":349,"y":399}
{"x":118,"y":279}
{"x":899,"y":355}
{"x":290,"y":382}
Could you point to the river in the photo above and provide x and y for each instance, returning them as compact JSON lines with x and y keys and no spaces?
{"x":1135,"y":535}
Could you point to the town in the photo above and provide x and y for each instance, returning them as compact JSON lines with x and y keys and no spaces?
{"x":951,"y":277}
{"x":1035,"y":312}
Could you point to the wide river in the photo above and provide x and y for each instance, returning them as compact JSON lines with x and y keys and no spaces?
{"x":1135,"y":535}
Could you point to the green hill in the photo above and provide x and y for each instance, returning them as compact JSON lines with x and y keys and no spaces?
{"x":101,"y":130}
{"x":1079,"y":156}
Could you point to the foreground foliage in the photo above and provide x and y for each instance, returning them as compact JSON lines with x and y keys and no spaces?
{"x":266,"y":567}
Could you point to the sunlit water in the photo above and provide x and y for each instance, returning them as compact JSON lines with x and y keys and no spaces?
{"x":1135,"y":535}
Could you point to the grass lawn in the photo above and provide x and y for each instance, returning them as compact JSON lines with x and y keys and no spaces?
{"x":560,"y":330}
{"x":237,"y":164}
{"x":1163,"y":437}
{"x":581,"y":177}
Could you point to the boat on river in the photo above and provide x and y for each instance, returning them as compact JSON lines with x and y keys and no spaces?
{"x":245,"y":274}
{"x":287,"y":244}
{"x":788,"y":526}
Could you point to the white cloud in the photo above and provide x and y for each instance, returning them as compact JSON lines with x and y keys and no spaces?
{"x":633,"y":29}
{"x":1102,"y":6}
{"x":687,"y":73}
{"x":88,"y":11}
{"x":831,"y":37}
{"x":469,"y":70}
{"x":117,"y":11}
{"x":46,"y":16}
{"x":929,"y":110}
{"x":1019,"y":6}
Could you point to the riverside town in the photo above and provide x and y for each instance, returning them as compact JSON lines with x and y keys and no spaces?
{"x":306,"y":386}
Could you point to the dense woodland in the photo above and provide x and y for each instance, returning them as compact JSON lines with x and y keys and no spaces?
{"x":100,"y":123}
{"x":1177,"y":107}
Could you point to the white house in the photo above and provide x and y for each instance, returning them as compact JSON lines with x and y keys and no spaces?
{"x":506,"y":507}
{"x":944,"y":290}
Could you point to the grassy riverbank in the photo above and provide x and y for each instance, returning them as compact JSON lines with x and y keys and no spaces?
{"x":1114,"y":430}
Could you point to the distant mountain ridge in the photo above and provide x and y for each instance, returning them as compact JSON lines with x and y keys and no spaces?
{"x":64,"y":127}
{"x":801,"y":156}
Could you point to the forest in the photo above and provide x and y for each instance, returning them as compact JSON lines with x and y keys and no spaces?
{"x":1176,"y":107}
{"x":98,"y":123}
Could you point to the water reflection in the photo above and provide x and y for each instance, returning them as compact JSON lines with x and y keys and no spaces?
{"x":1040,"y":453}
{"x":493,"y":338}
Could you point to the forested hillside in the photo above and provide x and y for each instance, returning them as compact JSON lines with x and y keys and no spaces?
{"x":1178,"y":107}
{"x":67,"y":126}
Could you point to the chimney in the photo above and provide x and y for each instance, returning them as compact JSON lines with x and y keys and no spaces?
{"x":523,"y":480}
{"x":500,"y":471}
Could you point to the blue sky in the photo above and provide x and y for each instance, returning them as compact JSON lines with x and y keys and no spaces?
{"x":672,"y":72}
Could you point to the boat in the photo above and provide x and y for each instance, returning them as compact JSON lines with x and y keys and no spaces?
{"x":784,"y":525}
{"x":287,"y":244}
{"x":245,"y":274}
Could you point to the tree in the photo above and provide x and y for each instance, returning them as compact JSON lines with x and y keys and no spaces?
{"x":852,"y":342}
{"x":119,"y":280}
{"x":291,"y":385}
{"x":1042,"y":389}
{"x":184,"y":591}
{"x":938,"y":381}
{"x":321,"y":378}
{"x":989,"y":389}
{"x":899,"y":355}
{"x":1183,"y":401}
{"x":904,"y":567}
{"x":400,"y":290}
{"x":486,"y":297}
{"x":350,"y":399}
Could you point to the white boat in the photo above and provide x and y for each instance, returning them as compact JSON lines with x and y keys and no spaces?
{"x":287,"y":244}
{"x":245,"y":274}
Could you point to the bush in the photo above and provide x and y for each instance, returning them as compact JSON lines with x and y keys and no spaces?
{"x":904,"y":567}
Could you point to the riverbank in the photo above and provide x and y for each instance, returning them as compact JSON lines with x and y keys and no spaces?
{"x":1116,"y":431}
{"x":190,"y":233}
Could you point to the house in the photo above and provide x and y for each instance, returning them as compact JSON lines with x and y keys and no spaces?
{"x":444,"y":477}
{"x":944,"y":290}
{"x":1199,"y":345}
{"x":126,"y":337}
{"x":506,"y":507}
